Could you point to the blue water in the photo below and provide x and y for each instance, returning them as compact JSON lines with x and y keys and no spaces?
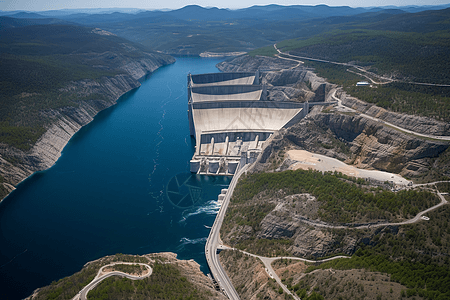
{"x":107,"y":192}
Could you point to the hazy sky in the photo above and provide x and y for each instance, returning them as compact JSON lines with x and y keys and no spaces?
{"x":37,"y":5}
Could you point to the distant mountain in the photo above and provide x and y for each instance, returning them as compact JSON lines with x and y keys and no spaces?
{"x":424,"y":21}
{"x":193,"y":29}
{"x":417,"y":8}
{"x":8,"y":22}
{"x":27,"y":15}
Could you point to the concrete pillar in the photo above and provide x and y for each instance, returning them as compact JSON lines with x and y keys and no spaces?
{"x":191,"y":120}
{"x":232,"y":166}
{"x":264,"y":92}
{"x":243,"y":158}
{"x":194,"y":165}
{"x":226,"y":145}
{"x":213,"y":166}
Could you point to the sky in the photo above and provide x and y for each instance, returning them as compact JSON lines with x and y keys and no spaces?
{"x":40,"y":5}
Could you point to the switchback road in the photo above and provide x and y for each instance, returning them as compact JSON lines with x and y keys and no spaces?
{"x":83,"y":293}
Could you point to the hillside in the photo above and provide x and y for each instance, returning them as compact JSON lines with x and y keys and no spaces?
{"x":170,"y":279}
{"x":54,"y":79}
{"x":279,"y":210}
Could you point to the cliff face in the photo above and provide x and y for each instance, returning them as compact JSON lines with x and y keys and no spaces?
{"x":361,"y":142}
{"x":63,"y":123}
{"x":285,"y":80}
{"x":347,"y":136}
{"x":248,"y":276}
{"x":413,"y":123}
{"x":292,"y":220}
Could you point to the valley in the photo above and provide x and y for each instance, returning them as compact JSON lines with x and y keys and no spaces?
{"x":351,"y":202}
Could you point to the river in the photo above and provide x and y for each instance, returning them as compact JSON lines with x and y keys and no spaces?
{"x":108,"y":193}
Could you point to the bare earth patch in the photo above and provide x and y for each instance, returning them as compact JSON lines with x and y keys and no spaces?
{"x":351,"y":284}
{"x":306,"y":160}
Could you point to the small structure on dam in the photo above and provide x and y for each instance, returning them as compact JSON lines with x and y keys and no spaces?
{"x":231,"y":119}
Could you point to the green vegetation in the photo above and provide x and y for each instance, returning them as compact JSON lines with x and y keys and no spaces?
{"x":266,"y":247}
{"x":68,"y":287}
{"x":417,"y":256}
{"x":39,"y":66}
{"x":419,"y":56}
{"x":130,"y":269}
{"x":342,"y":200}
{"x":264,"y":51}
{"x":443,"y":187}
{"x":410,"y":56}
{"x":249,"y":216}
{"x":428,"y":101}
{"x":166,"y":282}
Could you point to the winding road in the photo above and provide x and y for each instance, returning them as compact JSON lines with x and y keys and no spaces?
{"x":359,"y":68}
{"x":348,"y":109}
{"x":267,"y":261}
{"x":82,"y":295}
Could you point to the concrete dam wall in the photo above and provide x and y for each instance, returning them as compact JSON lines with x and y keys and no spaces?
{"x":229,"y":78}
{"x":231,"y":119}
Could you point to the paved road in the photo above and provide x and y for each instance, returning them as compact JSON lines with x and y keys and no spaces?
{"x":213,"y":242}
{"x":359,"y":68}
{"x":346,"y":108}
{"x":267,"y":261}
{"x":83,"y":293}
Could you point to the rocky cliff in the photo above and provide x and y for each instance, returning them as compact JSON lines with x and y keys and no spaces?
{"x":285,"y":80}
{"x":63,"y":123}
{"x":363,"y":143}
{"x":410,"y":122}
{"x":347,"y":136}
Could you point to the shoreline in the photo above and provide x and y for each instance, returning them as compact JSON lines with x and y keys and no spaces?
{"x":52,"y":158}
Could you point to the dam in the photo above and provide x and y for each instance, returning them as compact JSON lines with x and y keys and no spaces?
{"x":231,"y":117}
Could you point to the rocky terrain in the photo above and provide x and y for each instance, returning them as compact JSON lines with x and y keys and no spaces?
{"x":287,"y":220}
{"x":340,"y":284}
{"x":249,"y":277}
{"x":285,"y":224}
{"x":410,"y":122}
{"x":363,"y":143}
{"x":347,"y":136}
{"x":63,"y":123}
{"x":285,"y":80}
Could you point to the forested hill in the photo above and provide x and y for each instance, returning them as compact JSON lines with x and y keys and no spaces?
{"x":46,"y":69}
{"x":411,"y":49}
{"x":40,"y":60}
{"x":192,"y":30}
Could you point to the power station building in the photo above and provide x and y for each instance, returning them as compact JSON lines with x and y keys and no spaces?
{"x":231,"y":119}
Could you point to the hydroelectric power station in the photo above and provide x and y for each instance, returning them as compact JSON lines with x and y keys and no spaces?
{"x":231,"y":119}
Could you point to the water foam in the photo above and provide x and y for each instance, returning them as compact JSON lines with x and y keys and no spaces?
{"x":211,"y":208}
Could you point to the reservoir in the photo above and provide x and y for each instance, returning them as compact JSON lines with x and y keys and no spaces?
{"x":122,"y":185}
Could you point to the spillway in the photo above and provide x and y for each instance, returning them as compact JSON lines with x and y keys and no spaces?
{"x":231,"y":119}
